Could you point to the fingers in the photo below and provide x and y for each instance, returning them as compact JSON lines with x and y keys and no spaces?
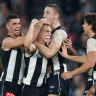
{"x":60,"y":52}
{"x":63,"y":75}
{"x":34,"y":21}
{"x":68,"y":43}
{"x":43,"y":21}
{"x":64,"y":46}
{"x":66,"y":75}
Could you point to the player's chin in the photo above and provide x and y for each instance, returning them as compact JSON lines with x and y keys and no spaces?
{"x":47,"y":40}
{"x":18,"y":34}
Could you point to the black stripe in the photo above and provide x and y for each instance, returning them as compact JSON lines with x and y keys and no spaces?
{"x":5,"y":61}
{"x":17,"y":66}
{"x":50,"y":63}
{"x":27,"y":59}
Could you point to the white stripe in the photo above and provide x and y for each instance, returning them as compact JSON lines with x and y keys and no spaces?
{"x":1,"y":76}
{"x":31,"y":69}
{"x":94,"y":75}
{"x":43,"y":72}
{"x":89,"y":79}
{"x":65,"y":67}
{"x":11,"y":65}
{"x":21,"y":74}
{"x":55,"y":61}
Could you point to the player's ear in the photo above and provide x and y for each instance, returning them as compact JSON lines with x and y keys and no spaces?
{"x":90,"y":27}
{"x":7,"y":26}
{"x":56,"y":16}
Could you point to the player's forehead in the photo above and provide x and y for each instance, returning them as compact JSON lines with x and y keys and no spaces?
{"x":17,"y":20}
{"x":48,"y":9}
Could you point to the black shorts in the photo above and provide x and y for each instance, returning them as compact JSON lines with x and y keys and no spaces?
{"x":11,"y":89}
{"x":57,"y":86}
{"x":28,"y":90}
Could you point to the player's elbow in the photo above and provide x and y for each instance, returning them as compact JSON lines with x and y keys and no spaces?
{"x":48,"y":55}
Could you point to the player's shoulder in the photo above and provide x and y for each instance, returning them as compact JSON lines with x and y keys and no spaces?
{"x":91,"y":41}
{"x":60,"y":31}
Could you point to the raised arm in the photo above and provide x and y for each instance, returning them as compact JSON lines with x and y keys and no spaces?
{"x":30,"y":34}
{"x":34,"y":31}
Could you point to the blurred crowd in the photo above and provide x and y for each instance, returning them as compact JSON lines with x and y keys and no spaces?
{"x":72,"y":20}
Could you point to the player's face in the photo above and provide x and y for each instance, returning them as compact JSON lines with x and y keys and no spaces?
{"x":49,"y":14}
{"x":86,"y":28}
{"x":14,"y":27}
{"x":46,"y":34}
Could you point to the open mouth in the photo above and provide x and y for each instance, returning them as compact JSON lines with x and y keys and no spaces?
{"x":47,"y":37}
{"x":17,"y":30}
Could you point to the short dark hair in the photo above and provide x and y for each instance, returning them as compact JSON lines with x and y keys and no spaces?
{"x":56,"y":8}
{"x":11,"y":16}
{"x":91,"y":20}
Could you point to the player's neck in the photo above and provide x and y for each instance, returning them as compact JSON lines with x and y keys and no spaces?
{"x":55,"y":24}
{"x":12,"y":35}
{"x":91,"y":34}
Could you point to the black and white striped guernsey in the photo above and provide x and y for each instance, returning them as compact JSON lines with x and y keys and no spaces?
{"x":14,"y":64}
{"x":57,"y":61}
{"x":35,"y":71}
{"x":92,"y":72}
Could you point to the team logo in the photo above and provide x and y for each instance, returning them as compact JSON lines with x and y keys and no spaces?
{"x":52,"y":86}
{"x":9,"y":94}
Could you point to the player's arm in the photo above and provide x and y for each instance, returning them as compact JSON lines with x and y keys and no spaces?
{"x":34,"y":31}
{"x":64,"y":53}
{"x":91,"y":90}
{"x":90,"y":63}
{"x":12,"y":43}
{"x":54,"y":47}
{"x":84,"y":68}
{"x":29,"y":36}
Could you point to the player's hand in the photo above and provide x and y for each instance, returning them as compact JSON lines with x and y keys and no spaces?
{"x":91,"y":91}
{"x":66,"y":75}
{"x":68,"y":43}
{"x":34,"y":21}
{"x":43,"y":21}
{"x":64,"y":51}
